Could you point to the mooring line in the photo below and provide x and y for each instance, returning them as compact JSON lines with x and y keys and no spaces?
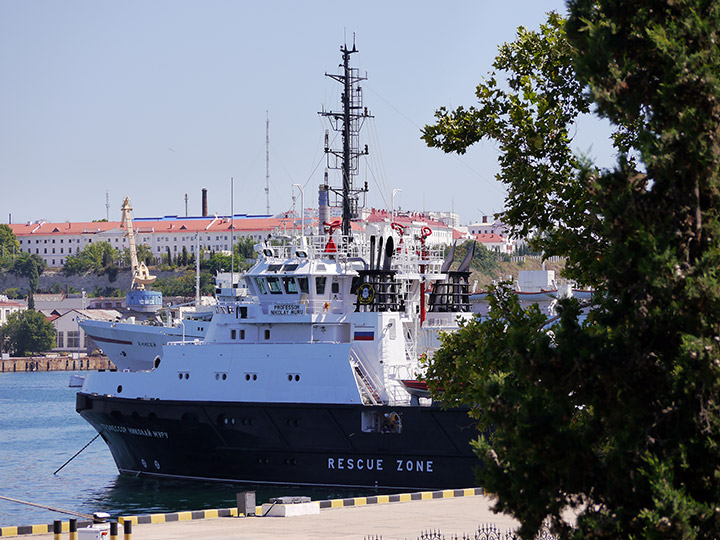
{"x":77,"y":454}
{"x":70,"y":512}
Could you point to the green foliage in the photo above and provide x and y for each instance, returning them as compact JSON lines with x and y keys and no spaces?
{"x":483,"y":260}
{"x":615,"y":416}
{"x":13,"y":293}
{"x":184,"y":285}
{"x":9,"y":246}
{"x":26,"y":264}
{"x":107,"y":292}
{"x":27,"y":331}
{"x":97,"y":257}
{"x":245,"y":248}
{"x":144,"y":254}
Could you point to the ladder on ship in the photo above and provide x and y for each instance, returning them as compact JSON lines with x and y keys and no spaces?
{"x":368,"y":390}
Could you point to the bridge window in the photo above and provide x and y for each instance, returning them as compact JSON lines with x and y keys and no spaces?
{"x":274,"y":285}
{"x":320,"y":284}
{"x":261,"y":285}
{"x":290,"y":285}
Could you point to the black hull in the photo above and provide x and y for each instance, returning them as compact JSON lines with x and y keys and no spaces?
{"x":285,"y":443}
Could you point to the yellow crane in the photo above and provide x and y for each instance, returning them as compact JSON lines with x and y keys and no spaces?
{"x":140,"y":273}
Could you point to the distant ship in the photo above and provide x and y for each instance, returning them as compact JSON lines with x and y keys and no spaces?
{"x":136,"y":345}
{"x":315,"y":376}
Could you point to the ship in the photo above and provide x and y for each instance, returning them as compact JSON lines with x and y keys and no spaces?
{"x":315,"y":376}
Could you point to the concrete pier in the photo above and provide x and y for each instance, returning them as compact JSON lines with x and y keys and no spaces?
{"x":345,"y":519}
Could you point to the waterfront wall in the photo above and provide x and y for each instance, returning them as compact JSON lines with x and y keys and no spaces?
{"x":89,"y":282}
{"x":55,"y":363}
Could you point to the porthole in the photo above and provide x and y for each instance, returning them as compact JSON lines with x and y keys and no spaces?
{"x":217,"y":376}
{"x":123,"y":353}
{"x":289,"y":377}
{"x":297,"y":377}
{"x":157,"y":362}
{"x":247,"y":376}
{"x":119,"y":388}
{"x":224,"y":376}
{"x":254,"y":376}
{"x":144,"y":463}
{"x":157,"y":464}
{"x":187,"y":376}
{"x":180,"y":376}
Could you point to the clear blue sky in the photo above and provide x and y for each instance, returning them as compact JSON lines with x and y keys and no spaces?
{"x":153,"y":100}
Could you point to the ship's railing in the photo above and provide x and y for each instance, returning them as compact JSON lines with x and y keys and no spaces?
{"x":409,"y":257}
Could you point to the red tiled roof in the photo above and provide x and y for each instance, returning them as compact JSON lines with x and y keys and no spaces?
{"x":209,"y":224}
{"x":11,"y":304}
{"x":489,"y":238}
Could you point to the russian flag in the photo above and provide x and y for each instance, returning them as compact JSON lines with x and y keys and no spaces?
{"x":364,"y":335}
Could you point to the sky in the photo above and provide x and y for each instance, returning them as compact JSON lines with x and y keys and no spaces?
{"x":103,"y":100}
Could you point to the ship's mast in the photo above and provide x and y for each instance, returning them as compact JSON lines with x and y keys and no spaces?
{"x":348,"y":122}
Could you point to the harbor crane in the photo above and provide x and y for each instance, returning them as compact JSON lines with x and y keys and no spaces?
{"x":140,"y":273}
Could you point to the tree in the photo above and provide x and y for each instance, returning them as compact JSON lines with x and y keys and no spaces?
{"x":9,"y":246}
{"x":615,"y":415}
{"x":27,"y":331}
{"x":98,"y":256}
{"x":30,"y":266}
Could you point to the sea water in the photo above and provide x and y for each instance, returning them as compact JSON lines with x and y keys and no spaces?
{"x":40,"y":431}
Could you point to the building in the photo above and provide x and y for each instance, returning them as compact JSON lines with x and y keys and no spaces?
{"x":488,"y":226}
{"x":69,"y":337}
{"x":55,"y":241}
{"x":8,"y":307}
{"x":495,"y":242}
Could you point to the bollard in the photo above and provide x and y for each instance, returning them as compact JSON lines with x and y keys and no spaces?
{"x":113,"y":530}
{"x":73,"y":529}
{"x":128,"y":529}
{"x":57,"y":529}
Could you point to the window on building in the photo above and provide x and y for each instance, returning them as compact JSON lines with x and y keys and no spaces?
{"x":59,"y":339}
{"x":73,"y":339}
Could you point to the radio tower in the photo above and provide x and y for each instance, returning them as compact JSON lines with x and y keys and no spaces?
{"x":107,"y":205}
{"x":348,"y":122}
{"x":267,"y":162}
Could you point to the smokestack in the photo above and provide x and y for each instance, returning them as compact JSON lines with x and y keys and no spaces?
{"x":204,"y":202}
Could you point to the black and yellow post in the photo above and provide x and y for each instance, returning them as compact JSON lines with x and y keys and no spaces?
{"x":57,"y":529}
{"x":73,"y":529}
{"x":128,"y":529}
{"x":113,"y":530}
